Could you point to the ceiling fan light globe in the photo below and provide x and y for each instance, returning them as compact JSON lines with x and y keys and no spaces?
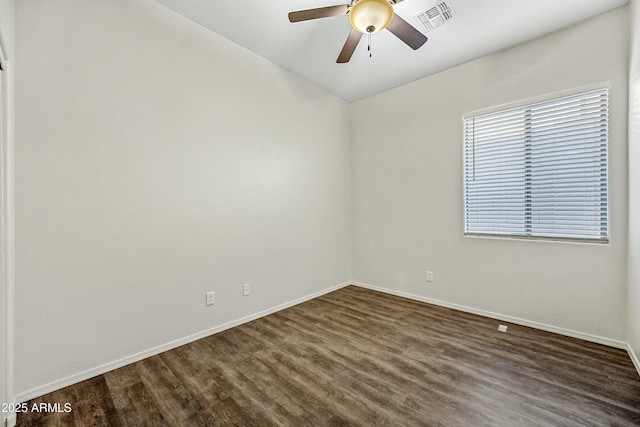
{"x":371,"y":16}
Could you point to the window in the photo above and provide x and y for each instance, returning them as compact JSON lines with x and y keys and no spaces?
{"x":540,"y":170}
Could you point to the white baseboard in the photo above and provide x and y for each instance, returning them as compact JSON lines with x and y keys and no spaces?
{"x":498,"y":316}
{"x":102,"y":369}
{"x":634,"y":358}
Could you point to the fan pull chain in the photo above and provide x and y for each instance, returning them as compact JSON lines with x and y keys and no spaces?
{"x":369,"y":47}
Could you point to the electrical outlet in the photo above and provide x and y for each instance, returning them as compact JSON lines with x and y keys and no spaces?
{"x":429,"y":276}
{"x":211,"y":298}
{"x":502,"y":328}
{"x":246,"y":289}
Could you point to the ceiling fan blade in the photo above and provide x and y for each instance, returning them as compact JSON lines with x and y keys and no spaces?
{"x":321,"y":12}
{"x":349,"y":46}
{"x":406,"y":32}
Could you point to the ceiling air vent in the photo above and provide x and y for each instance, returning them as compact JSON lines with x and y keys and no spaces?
{"x":435,"y":16}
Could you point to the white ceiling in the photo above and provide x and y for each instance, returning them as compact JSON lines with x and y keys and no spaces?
{"x":310,"y":48}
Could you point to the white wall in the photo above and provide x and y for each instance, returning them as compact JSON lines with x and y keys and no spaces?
{"x":7,"y":26}
{"x":633,"y":256}
{"x":156,"y":161}
{"x":6,"y":202}
{"x":407,"y":189}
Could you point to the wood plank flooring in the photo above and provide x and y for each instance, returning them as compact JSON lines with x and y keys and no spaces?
{"x":357,"y":357}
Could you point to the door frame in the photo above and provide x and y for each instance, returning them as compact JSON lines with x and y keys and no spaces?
{"x":7,"y":233}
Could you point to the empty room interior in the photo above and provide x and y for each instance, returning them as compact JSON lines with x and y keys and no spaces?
{"x":314,"y":212}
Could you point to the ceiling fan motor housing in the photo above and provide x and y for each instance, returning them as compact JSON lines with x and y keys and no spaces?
{"x":371,"y":16}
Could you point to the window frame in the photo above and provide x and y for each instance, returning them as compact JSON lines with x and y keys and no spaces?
{"x":530,"y":102}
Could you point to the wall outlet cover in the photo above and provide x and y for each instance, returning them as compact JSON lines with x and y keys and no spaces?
{"x":211,"y":298}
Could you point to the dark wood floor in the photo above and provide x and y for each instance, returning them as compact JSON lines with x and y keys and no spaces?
{"x":358,"y":357}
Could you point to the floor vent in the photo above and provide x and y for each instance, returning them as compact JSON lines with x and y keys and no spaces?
{"x":435,"y":16}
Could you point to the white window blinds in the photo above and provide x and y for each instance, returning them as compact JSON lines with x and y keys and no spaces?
{"x":539,"y":170}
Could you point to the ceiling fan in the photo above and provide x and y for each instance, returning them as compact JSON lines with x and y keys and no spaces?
{"x":366,"y":17}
